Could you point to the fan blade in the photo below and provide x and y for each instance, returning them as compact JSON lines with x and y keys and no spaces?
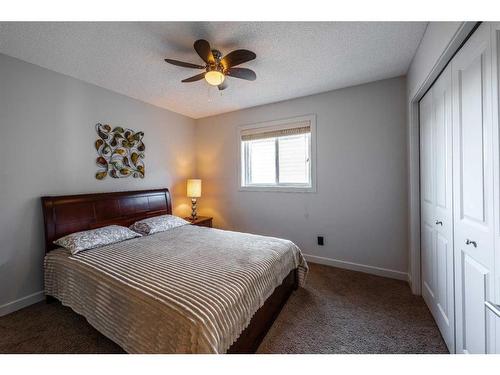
{"x":184,"y":64}
{"x":202,"y":47}
{"x":194,"y":78}
{"x":222,"y":86}
{"x":237,"y":57}
{"x":242,"y":73}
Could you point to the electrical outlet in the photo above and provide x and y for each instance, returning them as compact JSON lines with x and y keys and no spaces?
{"x":321,"y":241}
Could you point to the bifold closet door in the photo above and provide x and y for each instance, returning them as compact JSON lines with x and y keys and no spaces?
{"x":494,"y":308}
{"x":473,"y":192}
{"x":437,"y":205}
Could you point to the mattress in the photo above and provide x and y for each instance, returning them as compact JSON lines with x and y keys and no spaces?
{"x":187,"y":290}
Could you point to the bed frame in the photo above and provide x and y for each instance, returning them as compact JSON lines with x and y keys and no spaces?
{"x":73,"y":213}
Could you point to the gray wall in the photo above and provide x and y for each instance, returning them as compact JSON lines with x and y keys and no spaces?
{"x":361,"y":201}
{"x":46,"y":147}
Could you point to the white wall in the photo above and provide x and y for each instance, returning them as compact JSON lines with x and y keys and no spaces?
{"x":46,"y":148}
{"x":361,"y":201}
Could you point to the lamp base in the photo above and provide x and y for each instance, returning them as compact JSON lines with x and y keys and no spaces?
{"x":194,"y":215}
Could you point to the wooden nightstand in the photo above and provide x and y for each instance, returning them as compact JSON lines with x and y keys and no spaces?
{"x":201,"y":221}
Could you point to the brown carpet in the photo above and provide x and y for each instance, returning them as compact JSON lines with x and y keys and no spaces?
{"x":339,"y":311}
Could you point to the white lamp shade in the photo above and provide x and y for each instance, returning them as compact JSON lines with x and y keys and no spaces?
{"x":214,"y":77}
{"x":194,"y":188}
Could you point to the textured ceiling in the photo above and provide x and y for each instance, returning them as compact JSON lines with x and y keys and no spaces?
{"x":293,"y":58}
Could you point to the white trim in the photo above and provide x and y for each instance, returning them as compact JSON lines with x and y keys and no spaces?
{"x":278,"y":189}
{"x":21,"y":303}
{"x":373,"y":270}
{"x":413,"y":151}
{"x":272,"y":125}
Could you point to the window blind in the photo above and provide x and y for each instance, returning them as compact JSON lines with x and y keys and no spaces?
{"x":302,"y":127}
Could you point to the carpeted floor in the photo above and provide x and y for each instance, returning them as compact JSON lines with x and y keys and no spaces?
{"x":339,"y":311}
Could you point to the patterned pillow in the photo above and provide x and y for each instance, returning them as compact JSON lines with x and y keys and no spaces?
{"x":90,"y":239}
{"x":157,"y":224}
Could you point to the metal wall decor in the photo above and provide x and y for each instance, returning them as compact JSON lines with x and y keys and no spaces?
{"x":120,"y":152}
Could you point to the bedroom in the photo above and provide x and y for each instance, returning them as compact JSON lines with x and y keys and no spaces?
{"x":298,"y":194}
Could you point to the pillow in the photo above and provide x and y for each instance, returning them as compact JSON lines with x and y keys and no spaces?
{"x":90,"y":239}
{"x":157,"y":224}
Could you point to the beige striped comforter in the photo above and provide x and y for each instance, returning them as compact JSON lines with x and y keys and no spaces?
{"x":186,"y":290}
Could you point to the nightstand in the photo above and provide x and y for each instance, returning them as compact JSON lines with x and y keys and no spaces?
{"x":201,"y":221}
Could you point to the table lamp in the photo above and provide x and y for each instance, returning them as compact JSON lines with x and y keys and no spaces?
{"x":193,"y":192}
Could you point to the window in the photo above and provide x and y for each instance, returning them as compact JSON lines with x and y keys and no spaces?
{"x":278,"y":155}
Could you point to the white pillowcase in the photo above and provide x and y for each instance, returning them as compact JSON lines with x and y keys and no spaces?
{"x":157,"y":224}
{"x":90,"y":239}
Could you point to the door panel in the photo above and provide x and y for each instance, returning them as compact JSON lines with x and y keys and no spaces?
{"x":437,"y":205}
{"x":427,"y":264}
{"x":443,"y":251}
{"x":471,"y":132}
{"x":475,"y":289}
{"x":442,"y":99}
{"x":426,"y":151}
{"x":473,"y":191}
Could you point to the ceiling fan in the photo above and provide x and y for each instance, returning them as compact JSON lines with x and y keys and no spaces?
{"x":218,"y":67}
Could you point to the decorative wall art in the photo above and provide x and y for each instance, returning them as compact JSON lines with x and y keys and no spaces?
{"x":120,"y":152}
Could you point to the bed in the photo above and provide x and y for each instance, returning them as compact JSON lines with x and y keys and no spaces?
{"x":186,"y":290}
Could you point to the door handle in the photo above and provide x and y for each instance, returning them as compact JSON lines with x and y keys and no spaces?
{"x":469,"y":242}
{"x":495,"y":309}
{"x":439,"y":222}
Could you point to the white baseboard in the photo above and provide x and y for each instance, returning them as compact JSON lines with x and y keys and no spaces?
{"x":379,"y":271}
{"x":21,"y":302}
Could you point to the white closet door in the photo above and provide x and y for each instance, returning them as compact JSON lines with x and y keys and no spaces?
{"x":495,"y":38}
{"x":473,"y":192}
{"x":437,"y":202}
{"x":428,"y":202}
{"x":443,"y":141}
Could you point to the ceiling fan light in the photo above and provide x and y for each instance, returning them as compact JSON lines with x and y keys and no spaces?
{"x":214,"y":77}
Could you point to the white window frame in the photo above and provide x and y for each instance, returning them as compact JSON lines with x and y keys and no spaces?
{"x":274,"y":125}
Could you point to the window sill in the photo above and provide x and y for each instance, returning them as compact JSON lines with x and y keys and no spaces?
{"x":278,"y":189}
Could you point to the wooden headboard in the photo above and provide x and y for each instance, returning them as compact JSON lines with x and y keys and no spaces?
{"x":73,"y":213}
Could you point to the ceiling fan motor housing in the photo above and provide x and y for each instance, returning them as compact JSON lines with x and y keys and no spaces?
{"x":217,"y":65}
{"x":217,"y":54}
